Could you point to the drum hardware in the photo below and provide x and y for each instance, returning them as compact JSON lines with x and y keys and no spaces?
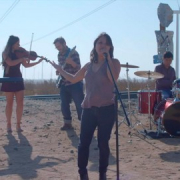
{"x":150,"y":75}
{"x":176,"y":92}
{"x":149,"y":113}
{"x":131,"y":113}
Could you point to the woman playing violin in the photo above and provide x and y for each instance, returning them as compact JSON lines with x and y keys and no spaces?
{"x":11,"y":63}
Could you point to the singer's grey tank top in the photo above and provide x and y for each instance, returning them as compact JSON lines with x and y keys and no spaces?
{"x":99,"y":89}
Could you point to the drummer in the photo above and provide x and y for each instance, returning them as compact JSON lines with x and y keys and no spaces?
{"x":165,"y":84}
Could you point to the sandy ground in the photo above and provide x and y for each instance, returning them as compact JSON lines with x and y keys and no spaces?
{"x":43,"y":152}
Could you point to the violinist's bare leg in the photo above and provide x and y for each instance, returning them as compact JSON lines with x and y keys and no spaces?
{"x":19,"y":108}
{"x":9,"y":109}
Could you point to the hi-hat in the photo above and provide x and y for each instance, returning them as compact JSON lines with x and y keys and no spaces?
{"x":149,"y":74}
{"x":129,"y":66}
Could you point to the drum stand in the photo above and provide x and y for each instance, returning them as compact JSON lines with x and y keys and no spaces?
{"x":149,"y":103}
{"x":131,"y":113}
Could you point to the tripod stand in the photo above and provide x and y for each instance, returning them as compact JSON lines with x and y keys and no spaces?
{"x":131,"y":113}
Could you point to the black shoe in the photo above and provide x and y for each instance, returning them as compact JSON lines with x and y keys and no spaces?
{"x":102,"y":176}
{"x":66,"y":127}
{"x":84,"y":177}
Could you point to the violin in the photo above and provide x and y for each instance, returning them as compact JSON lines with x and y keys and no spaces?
{"x":32,"y":55}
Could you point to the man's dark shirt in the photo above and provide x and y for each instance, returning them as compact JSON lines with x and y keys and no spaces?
{"x":166,"y":82}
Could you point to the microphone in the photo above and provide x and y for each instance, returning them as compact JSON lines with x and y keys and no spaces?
{"x":105,"y":54}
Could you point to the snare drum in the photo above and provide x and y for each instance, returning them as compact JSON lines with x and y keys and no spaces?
{"x":169,"y":113}
{"x":155,"y":98}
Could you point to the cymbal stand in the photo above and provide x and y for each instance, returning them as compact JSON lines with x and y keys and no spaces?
{"x":134,"y":121}
{"x":127,"y":76}
{"x":130,"y":112}
{"x":149,"y":98}
{"x":129,"y":105}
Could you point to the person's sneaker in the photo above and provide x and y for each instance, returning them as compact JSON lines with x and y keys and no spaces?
{"x":66,"y":127}
{"x":9,"y":130}
{"x":84,"y":177}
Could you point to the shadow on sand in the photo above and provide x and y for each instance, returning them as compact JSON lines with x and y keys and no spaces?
{"x":19,"y":158}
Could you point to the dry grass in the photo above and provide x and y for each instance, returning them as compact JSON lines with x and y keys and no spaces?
{"x":49,"y":86}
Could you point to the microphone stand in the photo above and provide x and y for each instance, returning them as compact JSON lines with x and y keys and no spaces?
{"x":117,"y":97}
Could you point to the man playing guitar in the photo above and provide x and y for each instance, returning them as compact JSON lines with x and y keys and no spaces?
{"x":69,"y":60}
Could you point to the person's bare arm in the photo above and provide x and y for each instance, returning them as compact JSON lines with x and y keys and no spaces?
{"x":115,"y":69}
{"x":72,"y":78}
{"x":10,"y":62}
{"x":27,"y":64}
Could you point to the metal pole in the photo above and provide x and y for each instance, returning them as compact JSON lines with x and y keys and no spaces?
{"x":177,"y":42}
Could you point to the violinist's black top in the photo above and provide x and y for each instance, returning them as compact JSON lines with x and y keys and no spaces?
{"x":13,"y":72}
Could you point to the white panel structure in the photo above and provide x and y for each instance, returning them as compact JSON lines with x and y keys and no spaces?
{"x":165,"y":14}
{"x":164,"y":38}
{"x":164,"y":42}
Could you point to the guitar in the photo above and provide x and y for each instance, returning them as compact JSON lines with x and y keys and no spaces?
{"x":59,"y":79}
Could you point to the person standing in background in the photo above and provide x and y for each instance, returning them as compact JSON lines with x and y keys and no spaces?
{"x":70,"y":62}
{"x":11,"y":64}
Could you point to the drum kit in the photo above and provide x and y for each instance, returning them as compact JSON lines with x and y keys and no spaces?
{"x":165,"y":114}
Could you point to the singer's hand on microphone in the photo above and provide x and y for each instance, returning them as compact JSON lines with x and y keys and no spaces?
{"x":105,"y":54}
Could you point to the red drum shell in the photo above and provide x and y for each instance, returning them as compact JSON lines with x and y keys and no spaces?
{"x":161,"y":107}
{"x":171,"y":119}
{"x":169,"y":113}
{"x":155,"y":98}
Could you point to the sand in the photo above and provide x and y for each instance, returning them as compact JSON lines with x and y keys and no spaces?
{"x":44,"y":152}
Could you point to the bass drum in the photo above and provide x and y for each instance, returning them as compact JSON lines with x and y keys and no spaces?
{"x":161,"y":107}
{"x":171,"y":119}
{"x":169,"y":113}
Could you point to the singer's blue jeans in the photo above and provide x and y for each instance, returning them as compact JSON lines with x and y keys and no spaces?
{"x":67,"y":94}
{"x":103,"y":118}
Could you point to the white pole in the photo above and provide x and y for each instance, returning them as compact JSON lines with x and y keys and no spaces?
{"x":177,"y":42}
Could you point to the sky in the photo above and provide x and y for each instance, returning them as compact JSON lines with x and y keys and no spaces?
{"x":130,"y":23}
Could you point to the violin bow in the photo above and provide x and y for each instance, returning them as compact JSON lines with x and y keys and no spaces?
{"x":31,"y":41}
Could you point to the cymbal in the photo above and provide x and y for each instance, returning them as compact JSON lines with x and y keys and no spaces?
{"x":149,"y":74}
{"x":129,"y":66}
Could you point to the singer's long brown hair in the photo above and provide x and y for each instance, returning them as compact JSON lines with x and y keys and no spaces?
{"x":94,"y":55}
